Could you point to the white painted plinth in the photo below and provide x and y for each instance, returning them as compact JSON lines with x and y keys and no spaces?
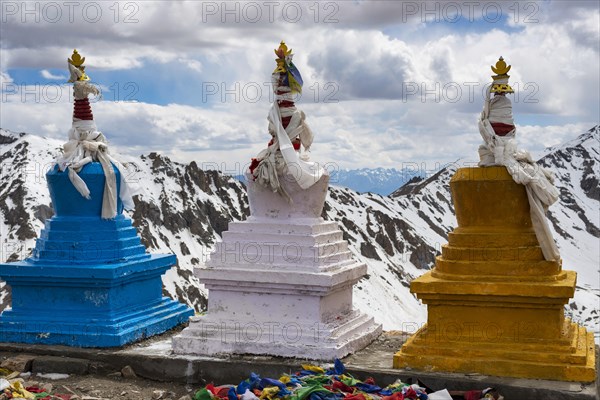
{"x":280,"y":283}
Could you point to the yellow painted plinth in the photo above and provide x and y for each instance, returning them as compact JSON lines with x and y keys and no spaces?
{"x":495,"y":306}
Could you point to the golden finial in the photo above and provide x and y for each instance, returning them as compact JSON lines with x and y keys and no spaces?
{"x":282,"y":53}
{"x":285,"y":66}
{"x":501,"y":68}
{"x":500,"y":84}
{"x":77,"y":61}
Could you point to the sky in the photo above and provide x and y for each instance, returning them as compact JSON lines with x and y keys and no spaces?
{"x":386,"y":83}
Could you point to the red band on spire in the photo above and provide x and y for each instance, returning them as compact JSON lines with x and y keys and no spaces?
{"x":83,"y":110}
{"x":501,"y":129}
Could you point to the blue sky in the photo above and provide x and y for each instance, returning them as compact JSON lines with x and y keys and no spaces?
{"x":186,"y":79}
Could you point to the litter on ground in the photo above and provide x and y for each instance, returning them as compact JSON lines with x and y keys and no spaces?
{"x":316,"y":383}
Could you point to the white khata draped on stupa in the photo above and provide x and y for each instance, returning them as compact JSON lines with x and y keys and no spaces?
{"x":498,"y":130}
{"x":287,"y":152}
{"x":86,"y":144}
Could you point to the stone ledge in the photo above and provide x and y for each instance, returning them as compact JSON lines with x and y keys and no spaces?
{"x":152,"y":359}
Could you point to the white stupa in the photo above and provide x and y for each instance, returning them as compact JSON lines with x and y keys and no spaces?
{"x":280,"y":283}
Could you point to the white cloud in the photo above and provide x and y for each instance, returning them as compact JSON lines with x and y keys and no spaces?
{"x":194,"y":65}
{"x":5,"y":79}
{"x":51,"y":129}
{"x":377,"y":121}
{"x":538,"y":138}
{"x":348,"y":135}
{"x":49,"y":75}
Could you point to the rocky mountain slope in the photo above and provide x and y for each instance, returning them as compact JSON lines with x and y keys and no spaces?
{"x":179,"y":209}
{"x":183,"y":210}
{"x":576,"y":219}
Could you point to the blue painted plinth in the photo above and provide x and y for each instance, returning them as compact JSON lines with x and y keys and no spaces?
{"x":89,"y":282}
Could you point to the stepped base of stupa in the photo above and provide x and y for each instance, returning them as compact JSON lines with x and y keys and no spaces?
{"x":89,"y":282}
{"x":280,"y":284}
{"x":495,"y":305}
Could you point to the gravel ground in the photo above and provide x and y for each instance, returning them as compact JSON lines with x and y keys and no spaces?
{"x":88,"y":387}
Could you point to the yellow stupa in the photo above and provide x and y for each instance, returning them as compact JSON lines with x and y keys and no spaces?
{"x":495,"y":305}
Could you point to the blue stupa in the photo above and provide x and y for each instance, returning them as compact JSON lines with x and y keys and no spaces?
{"x":90,"y":281}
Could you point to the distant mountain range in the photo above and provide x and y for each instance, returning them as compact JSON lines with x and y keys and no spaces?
{"x":184,"y":210}
{"x":382,"y":181}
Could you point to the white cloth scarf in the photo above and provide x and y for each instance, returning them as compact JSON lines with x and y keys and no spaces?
{"x":87,"y":144}
{"x":281,"y":157}
{"x":502,"y":150}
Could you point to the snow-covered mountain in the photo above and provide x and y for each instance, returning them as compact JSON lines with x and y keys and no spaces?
{"x":179,"y":209}
{"x":382,"y":181}
{"x":183,"y":210}
{"x":576,"y":219}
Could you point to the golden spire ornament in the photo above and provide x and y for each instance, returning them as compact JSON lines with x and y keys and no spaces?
{"x":82,"y":87}
{"x":285,"y":66}
{"x":283,"y":54}
{"x":77,"y":61}
{"x":500,"y":84}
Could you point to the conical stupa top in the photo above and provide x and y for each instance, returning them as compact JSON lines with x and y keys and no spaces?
{"x":81,"y":88}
